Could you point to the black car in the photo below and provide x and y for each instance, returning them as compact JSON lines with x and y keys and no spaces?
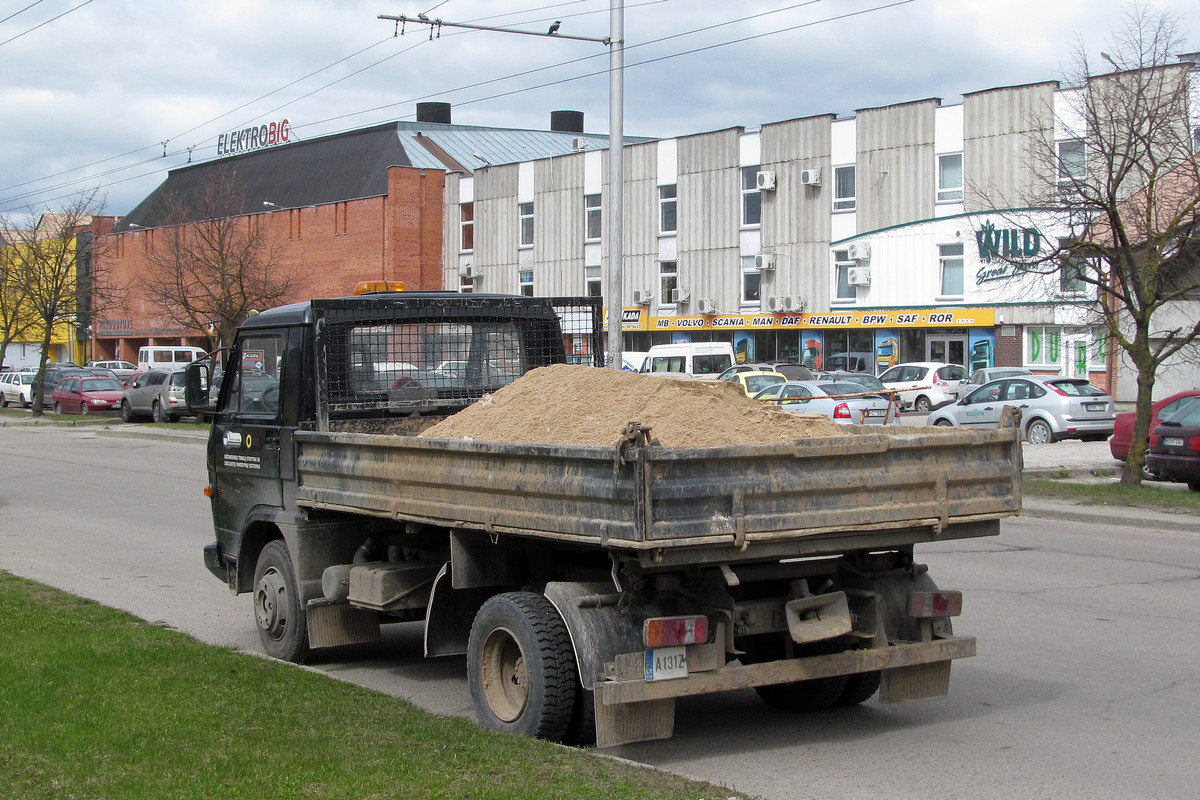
{"x":1175,"y":447}
{"x":54,"y":374}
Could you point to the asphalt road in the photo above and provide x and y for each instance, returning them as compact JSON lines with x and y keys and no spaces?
{"x":1085,"y":685}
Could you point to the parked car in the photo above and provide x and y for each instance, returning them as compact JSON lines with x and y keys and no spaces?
{"x":1122,"y":436}
{"x":157,"y":394}
{"x":792,"y":370}
{"x":16,"y":387}
{"x":986,"y":375}
{"x":78,"y":394}
{"x":754,"y":382}
{"x":1052,"y":408}
{"x":865,"y":380}
{"x":54,"y":374}
{"x":1175,"y":446}
{"x":845,"y":402}
{"x":925,"y":385}
{"x":122,"y":369}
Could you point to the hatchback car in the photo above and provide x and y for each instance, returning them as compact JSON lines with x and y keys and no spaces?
{"x":988,"y":374}
{"x":925,"y":385}
{"x":16,"y":387}
{"x":157,"y":394}
{"x":1052,"y":408}
{"x":1175,"y":446}
{"x":87,"y":395}
{"x":790,"y":369}
{"x":754,"y":382}
{"x":1122,"y":436}
{"x":845,"y":403}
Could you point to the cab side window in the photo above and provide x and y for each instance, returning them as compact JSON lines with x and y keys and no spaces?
{"x":254,"y":376}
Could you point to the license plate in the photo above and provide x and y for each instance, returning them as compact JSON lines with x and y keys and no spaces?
{"x":876,"y":412}
{"x":1094,"y":406}
{"x":666,"y":663}
{"x":1173,"y":441}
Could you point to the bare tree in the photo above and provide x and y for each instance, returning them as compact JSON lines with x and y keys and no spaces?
{"x":213,"y":264}
{"x":15,"y":315}
{"x":49,"y":258}
{"x":1120,"y":174}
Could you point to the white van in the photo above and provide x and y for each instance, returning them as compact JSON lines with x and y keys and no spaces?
{"x":167,"y":357}
{"x":700,"y":359}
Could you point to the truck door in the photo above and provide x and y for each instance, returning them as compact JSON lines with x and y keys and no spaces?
{"x":246,"y":432}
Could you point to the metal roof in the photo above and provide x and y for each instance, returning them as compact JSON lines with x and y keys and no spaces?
{"x":350,"y":166}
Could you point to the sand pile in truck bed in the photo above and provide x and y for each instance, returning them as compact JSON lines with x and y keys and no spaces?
{"x":577,"y":405}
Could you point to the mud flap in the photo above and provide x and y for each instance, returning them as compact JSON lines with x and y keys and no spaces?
{"x":918,"y":682}
{"x":332,"y":624}
{"x":634,"y":722}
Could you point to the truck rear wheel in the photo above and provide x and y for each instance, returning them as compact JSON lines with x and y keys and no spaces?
{"x":817,"y":694}
{"x":520,"y":666}
{"x":278,"y":612}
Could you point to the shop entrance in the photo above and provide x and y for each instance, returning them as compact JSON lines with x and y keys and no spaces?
{"x":1075,"y":352}
{"x":946,"y":349}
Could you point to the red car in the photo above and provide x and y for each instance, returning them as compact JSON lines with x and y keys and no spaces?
{"x":83,"y":395}
{"x":1118,"y":445}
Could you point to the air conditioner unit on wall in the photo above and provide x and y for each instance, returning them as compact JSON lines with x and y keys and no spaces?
{"x":859,"y":276}
{"x":775,"y":304}
{"x":793,"y":303}
{"x":765,"y":180}
{"x":642,"y":297}
{"x":706,"y":306}
{"x":766,"y":261}
{"x":810,"y":177}
{"x":859,"y":251}
{"x":680,"y":295}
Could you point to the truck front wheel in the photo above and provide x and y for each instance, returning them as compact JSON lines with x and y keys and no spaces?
{"x":520,"y":666}
{"x":277,"y":608}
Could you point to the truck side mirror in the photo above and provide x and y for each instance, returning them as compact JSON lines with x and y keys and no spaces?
{"x":196,"y":385}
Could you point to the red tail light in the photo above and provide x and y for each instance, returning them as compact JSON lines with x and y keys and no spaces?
{"x":1194,"y":443}
{"x":842,"y":411}
{"x":672,"y":631}
{"x":937,"y":381}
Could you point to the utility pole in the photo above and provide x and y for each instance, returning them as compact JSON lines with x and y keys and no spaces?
{"x":615,"y":41}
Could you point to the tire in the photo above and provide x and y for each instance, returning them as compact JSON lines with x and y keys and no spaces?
{"x":922,"y":405}
{"x":860,"y":687}
{"x":127,"y":414}
{"x":4,"y":401}
{"x":1194,"y":486}
{"x":520,"y":667}
{"x":943,"y":423}
{"x":58,"y":408}
{"x":156,"y":412}
{"x":581,"y":730}
{"x":83,"y":408}
{"x":1039,"y":432}
{"x":278,"y":612}
{"x":817,"y":694}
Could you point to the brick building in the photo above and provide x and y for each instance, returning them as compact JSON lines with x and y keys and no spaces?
{"x":362,"y":205}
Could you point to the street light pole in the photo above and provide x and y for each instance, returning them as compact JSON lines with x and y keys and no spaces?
{"x":616,"y":147}
{"x":616,"y":177}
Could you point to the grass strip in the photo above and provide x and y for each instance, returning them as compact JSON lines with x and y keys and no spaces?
{"x":95,"y":703}
{"x":1148,"y":495}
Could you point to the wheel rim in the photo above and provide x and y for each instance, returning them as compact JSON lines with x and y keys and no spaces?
{"x":502,"y":671}
{"x":156,"y":412}
{"x":1039,"y":433}
{"x":271,"y":604}
{"x":922,"y":406}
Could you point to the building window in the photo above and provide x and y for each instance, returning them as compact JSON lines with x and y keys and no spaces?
{"x":751,"y":198}
{"x":843,"y":188}
{"x":592,"y":217}
{"x":466,"y":227}
{"x":751,"y":282}
{"x":668,"y":281}
{"x":466,"y":285}
{"x":1071,"y":161}
{"x":525,"y":215}
{"x":526,"y":280}
{"x":1196,"y":140}
{"x":950,"y":178}
{"x":593,"y":282}
{"x":841,"y":267}
{"x":950,"y":259}
{"x":1043,"y":346}
{"x":1072,"y":270}
{"x":667,"y":209}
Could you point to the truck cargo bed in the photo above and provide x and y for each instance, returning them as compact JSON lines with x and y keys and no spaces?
{"x":808,"y":497}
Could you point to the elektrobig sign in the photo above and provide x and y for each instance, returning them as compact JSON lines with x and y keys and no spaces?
{"x":253,"y":138}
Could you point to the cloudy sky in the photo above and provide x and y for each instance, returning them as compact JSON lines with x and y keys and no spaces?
{"x":113,"y":93}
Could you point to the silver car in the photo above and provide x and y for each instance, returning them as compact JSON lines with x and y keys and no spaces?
{"x":845,"y":403}
{"x":1052,"y":408}
{"x":986,"y":375}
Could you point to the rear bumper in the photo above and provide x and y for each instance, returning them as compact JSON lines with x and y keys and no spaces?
{"x":1180,"y":469}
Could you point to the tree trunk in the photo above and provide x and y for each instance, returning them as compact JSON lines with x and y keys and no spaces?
{"x":1146,"y":365}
